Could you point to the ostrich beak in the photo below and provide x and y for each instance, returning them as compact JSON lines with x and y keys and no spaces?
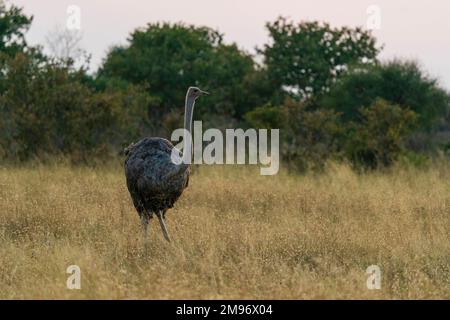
{"x":204,"y":93}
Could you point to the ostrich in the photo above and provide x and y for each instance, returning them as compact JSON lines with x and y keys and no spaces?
{"x":154,"y":181}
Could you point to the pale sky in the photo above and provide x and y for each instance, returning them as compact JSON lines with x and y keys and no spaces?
{"x":414,"y":29}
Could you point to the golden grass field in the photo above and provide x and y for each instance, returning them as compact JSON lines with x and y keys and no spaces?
{"x":236,"y":235}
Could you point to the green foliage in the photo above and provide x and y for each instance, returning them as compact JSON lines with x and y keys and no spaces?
{"x":311,"y":137}
{"x":414,"y":160}
{"x":401,"y":83}
{"x":47,"y":110}
{"x":266,"y":117}
{"x":308,"y":137}
{"x":13,"y":26}
{"x":170,"y":58}
{"x":343,"y":103}
{"x":307,"y":57}
{"x":378,"y":138}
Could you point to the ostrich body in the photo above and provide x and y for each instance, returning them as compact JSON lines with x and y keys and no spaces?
{"x":154,"y":181}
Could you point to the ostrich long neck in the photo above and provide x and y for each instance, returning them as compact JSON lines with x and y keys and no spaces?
{"x":188,"y":113}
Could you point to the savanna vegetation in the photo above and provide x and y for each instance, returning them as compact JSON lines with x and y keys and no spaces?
{"x":369,"y":137}
{"x":292,"y":236}
{"x":324,"y":87}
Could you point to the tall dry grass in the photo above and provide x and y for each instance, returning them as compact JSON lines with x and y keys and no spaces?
{"x":235,"y":235}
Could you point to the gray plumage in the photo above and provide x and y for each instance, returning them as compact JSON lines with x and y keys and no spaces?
{"x":154,"y":181}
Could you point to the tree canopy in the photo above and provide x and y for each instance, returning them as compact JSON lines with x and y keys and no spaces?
{"x":399,"y":82}
{"x":305,"y":58}
{"x":13,"y":26}
{"x":171,"y":57}
{"x":322,"y":86}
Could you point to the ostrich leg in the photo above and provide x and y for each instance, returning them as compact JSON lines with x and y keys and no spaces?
{"x":160,"y":215}
{"x":145,"y":218}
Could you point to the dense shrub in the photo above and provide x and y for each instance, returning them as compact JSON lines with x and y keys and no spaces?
{"x":45,"y":109}
{"x":322,"y":86}
{"x":378,"y":139}
{"x":309,"y":137}
{"x":400,"y":82}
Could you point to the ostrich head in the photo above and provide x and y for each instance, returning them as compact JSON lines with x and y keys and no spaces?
{"x":194,"y":93}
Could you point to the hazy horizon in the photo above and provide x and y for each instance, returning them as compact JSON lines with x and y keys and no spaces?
{"x":408,"y":30}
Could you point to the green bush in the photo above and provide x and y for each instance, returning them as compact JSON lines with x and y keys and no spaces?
{"x":378,"y":138}
{"x":46,"y":109}
{"x":402,"y":83}
{"x":347,"y":105}
{"x":308,"y":137}
{"x":171,"y":57}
